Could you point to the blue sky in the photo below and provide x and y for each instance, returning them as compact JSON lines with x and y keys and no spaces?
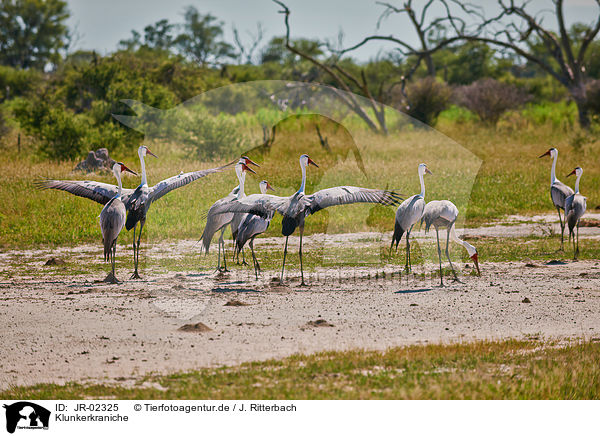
{"x":102,"y":24}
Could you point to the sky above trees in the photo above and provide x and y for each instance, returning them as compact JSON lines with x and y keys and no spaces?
{"x":101,"y":25}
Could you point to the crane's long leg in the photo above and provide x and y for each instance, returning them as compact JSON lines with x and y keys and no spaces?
{"x":134,"y":251}
{"x":562,"y":228}
{"x":437,"y":235}
{"x":219,"y":256}
{"x":136,"y":259}
{"x":284,"y":255}
{"x":222,"y":242}
{"x":254,"y":260}
{"x":391,"y":247}
{"x":300,"y":252}
{"x":448,"y":256}
{"x":577,"y":250}
{"x":408,"y":266}
{"x":243,"y":257}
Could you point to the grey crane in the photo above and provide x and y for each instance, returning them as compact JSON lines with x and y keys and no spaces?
{"x":408,"y":213}
{"x":298,"y":206}
{"x":137,"y":201}
{"x":558,"y":192}
{"x":442,"y":214}
{"x":216,"y":221}
{"x":112,"y":220}
{"x":252,"y":226}
{"x":575,"y":206}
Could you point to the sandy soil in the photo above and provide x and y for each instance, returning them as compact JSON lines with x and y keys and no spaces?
{"x":59,"y":329}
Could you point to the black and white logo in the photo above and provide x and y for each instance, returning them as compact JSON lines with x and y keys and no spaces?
{"x":26,"y":415}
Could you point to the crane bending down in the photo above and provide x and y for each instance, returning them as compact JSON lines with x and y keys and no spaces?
{"x":137,"y":202}
{"x":443,"y":214}
{"x":252,"y":226}
{"x":112,"y":220}
{"x":216,"y":221}
{"x":558,"y":192}
{"x":299,"y":205}
{"x":409,"y":212}
{"x":575,"y":206}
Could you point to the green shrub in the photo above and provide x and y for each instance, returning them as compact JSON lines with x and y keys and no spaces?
{"x":427,"y":98}
{"x":560,"y":115}
{"x":207,"y":136}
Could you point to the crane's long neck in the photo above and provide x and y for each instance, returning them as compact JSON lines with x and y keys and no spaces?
{"x":303,"y":184}
{"x":577,"y":183}
{"x":242,"y":179}
{"x":143,"y":165}
{"x":422,"y":184}
{"x":119,"y":184}
{"x":455,"y":238}
{"x":553,"y":172}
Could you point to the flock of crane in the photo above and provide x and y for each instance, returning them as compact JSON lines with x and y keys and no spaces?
{"x":250,"y":215}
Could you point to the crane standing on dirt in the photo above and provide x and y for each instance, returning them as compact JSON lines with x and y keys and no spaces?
{"x":252,"y":226}
{"x":558,"y":192}
{"x":575,"y":206}
{"x":443,"y":214}
{"x":112,"y":220}
{"x":217,"y":221}
{"x":409,"y":212}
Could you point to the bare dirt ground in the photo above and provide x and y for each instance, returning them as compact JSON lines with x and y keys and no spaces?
{"x":69,"y":328}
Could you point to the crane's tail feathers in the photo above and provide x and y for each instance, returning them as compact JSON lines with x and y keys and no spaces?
{"x":398,"y":232}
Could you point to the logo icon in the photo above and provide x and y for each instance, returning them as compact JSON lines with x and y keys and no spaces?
{"x":26,"y":415}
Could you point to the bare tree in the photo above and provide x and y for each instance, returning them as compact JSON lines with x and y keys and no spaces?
{"x":246,"y":51}
{"x":517,"y":29}
{"x":340,"y":76}
{"x":423,"y":25}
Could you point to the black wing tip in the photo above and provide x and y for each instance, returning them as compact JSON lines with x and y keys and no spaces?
{"x":42,"y":183}
{"x":391,"y":198}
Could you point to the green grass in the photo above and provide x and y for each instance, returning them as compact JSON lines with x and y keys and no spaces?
{"x":512,"y":369}
{"x":510,"y":180}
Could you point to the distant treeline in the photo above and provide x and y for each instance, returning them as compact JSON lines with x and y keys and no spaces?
{"x":64,"y":98}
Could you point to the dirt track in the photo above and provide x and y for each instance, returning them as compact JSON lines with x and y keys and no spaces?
{"x":70,"y":328}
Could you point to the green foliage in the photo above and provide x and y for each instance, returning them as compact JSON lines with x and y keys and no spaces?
{"x":560,"y":115}
{"x":427,"y":98}
{"x":202,"y":39}
{"x":16,"y":82}
{"x":32,"y":32}
{"x":205,"y":136}
{"x":466,"y":63}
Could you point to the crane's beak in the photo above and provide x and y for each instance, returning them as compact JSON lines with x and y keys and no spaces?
{"x":427,"y":171}
{"x":150,"y":153}
{"x":250,"y":161}
{"x":572,"y":173}
{"x":270,"y":187}
{"x":247,"y":168}
{"x":475,"y":259}
{"x":124,"y":168}
{"x":312,"y":162}
{"x":545,"y":154}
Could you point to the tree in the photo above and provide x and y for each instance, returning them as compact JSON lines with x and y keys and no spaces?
{"x":32,"y":32}
{"x":157,"y":36}
{"x":202,"y":39}
{"x":562,"y":55}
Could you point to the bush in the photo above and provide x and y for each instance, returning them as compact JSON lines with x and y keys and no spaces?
{"x":489,"y":99}
{"x":426,"y":99}
{"x":206,"y":136}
